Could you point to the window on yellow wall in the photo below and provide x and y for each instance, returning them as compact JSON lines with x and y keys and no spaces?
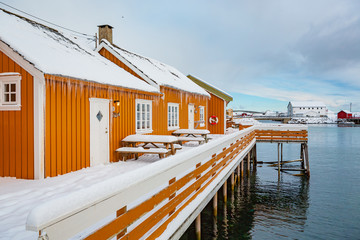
{"x":143,"y":116}
{"x":202,"y":116}
{"x":173,"y":116}
{"x":10,"y":94}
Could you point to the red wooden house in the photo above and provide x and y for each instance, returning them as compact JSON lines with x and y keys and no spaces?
{"x":344,"y":114}
{"x":217,"y":106}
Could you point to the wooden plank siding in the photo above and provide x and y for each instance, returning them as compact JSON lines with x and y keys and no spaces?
{"x":67,"y":122}
{"x":183,"y":99}
{"x":17,"y":128}
{"x":217,"y":108}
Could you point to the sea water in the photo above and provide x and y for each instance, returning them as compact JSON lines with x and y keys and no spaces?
{"x":265,"y":206}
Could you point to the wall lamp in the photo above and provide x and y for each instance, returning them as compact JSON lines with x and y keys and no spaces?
{"x":116,"y":114}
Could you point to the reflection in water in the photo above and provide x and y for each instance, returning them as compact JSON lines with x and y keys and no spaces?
{"x":257,"y":206}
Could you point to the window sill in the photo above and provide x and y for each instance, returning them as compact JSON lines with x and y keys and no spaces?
{"x":10,"y":107}
{"x":173,"y":128}
{"x":144,"y":131}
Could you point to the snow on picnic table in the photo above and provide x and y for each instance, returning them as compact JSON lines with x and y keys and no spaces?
{"x":191,"y":131}
{"x":150,"y":138}
{"x":18,"y":196}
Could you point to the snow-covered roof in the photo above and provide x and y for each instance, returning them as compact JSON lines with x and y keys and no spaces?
{"x":51,"y":52}
{"x":346,"y":111}
{"x":307,"y":104}
{"x":153,"y":71}
{"x":211,"y":88}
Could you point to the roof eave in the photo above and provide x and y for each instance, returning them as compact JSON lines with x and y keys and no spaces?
{"x":211,"y":89}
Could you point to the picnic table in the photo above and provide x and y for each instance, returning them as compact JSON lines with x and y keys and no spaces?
{"x":192,"y":134}
{"x":151,"y":141}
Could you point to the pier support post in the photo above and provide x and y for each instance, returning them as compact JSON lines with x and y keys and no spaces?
{"x":307,"y":160}
{"x":281,"y":155}
{"x":238,"y":173}
{"x":198,"y":227}
{"x":302,"y":155}
{"x":255,"y":155}
{"x":248,"y":162}
{"x":215,"y":201}
{"x":225,"y":191}
{"x":278,"y":155}
{"x":232,"y":181}
{"x":242,"y":168}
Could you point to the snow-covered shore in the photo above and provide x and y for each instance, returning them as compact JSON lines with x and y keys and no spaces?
{"x":312,"y":120}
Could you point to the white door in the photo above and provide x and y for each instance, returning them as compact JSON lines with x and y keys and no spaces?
{"x":99,"y":131}
{"x":191,"y":116}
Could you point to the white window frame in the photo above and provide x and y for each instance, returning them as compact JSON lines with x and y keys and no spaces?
{"x":148,"y":127}
{"x":202,"y":116}
{"x":173,"y":123}
{"x":10,"y":78}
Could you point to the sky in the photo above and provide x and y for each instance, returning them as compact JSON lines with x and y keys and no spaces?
{"x":264,"y":53}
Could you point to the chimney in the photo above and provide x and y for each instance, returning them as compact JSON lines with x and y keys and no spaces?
{"x":105,"y":32}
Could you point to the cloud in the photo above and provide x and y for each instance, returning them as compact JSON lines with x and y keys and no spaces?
{"x":285,"y":50}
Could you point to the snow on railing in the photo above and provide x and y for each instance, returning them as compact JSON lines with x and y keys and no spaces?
{"x":146,"y":200}
{"x":281,"y":133}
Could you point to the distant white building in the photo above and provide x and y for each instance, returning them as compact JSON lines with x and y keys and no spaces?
{"x":306,"y":109}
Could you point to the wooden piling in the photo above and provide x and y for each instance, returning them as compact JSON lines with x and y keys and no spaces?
{"x":255,"y":155}
{"x":281,"y":159}
{"x":248,"y":162}
{"x":302,"y":155}
{"x":307,"y":160}
{"x":225,"y":191}
{"x":232,"y":181}
{"x":238,"y":173}
{"x":198,"y":227}
{"x":215,"y":204}
{"x":242,"y":167}
{"x":278,"y":155}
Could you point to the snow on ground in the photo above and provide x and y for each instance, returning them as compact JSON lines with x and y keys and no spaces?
{"x":312,"y":120}
{"x":18,"y":196}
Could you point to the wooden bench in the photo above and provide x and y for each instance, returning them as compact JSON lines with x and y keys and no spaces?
{"x":157,"y":145}
{"x":190,"y":139}
{"x":127,"y":151}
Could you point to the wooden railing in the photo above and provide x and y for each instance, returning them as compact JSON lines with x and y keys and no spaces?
{"x":170,"y":185}
{"x":281,"y":136}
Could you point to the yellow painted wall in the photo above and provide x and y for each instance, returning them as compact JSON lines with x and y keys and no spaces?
{"x":17,"y":128}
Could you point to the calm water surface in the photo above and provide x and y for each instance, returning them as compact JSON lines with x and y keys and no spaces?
{"x":327,"y":206}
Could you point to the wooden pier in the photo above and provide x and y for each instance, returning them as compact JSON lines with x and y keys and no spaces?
{"x":287,"y":136}
{"x":163,"y":202}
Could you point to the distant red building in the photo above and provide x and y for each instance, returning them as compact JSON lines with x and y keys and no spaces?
{"x":344,"y":114}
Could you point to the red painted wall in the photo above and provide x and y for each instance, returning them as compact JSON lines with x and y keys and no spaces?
{"x":343,"y":114}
